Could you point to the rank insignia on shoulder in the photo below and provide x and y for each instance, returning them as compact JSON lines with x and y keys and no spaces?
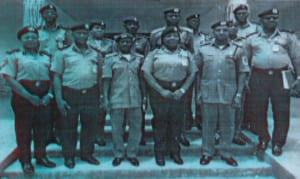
{"x":43,"y":52}
{"x":12,"y":51}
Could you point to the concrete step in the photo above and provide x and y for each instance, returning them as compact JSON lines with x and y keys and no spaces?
{"x":148,"y":169}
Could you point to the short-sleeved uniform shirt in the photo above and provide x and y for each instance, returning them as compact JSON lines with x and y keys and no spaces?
{"x":219,"y":69}
{"x":245,"y":30}
{"x":104,"y":46}
{"x":141,"y":44}
{"x":51,"y":39}
{"x":170,"y":66}
{"x":79,"y":70}
{"x":23,"y":66}
{"x":124,"y":74}
{"x":199,"y":38}
{"x":276,"y":51}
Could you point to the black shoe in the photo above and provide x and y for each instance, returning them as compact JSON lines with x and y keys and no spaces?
{"x":160,"y":160}
{"x":176,"y":158}
{"x":134,"y":161}
{"x":90,"y":159}
{"x":276,"y":150}
{"x":27,"y":168}
{"x":117,"y":161}
{"x":205,"y":159}
{"x":143,"y":141}
{"x":230,"y":161}
{"x":184,"y":141}
{"x":45,"y":162}
{"x":238,"y":141}
{"x":69,"y":162}
{"x":100,"y":142}
{"x":262,"y":146}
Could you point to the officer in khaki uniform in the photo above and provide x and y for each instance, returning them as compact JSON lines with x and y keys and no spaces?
{"x":104,"y":46}
{"x":223,"y":68}
{"x":27,"y":72}
{"x":272,"y":52}
{"x":76,"y":85}
{"x":123,"y":97}
{"x":169,"y":71}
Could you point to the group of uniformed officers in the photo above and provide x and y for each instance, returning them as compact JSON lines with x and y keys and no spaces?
{"x":60,"y":74}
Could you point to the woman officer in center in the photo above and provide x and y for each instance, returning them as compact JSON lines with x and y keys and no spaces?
{"x":169,"y":71}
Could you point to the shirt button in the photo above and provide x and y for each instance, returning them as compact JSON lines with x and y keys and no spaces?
{"x":219,"y":71}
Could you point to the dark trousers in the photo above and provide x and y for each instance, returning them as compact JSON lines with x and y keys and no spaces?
{"x":188,"y":116}
{"x":31,"y":121}
{"x":100,"y":124}
{"x":168,"y":116}
{"x":84,"y":103}
{"x":265,"y":87}
{"x":54,"y":115}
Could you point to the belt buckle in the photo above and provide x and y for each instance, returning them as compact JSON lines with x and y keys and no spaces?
{"x":83,"y":91}
{"x":174,"y":84}
{"x":270,"y":72}
{"x":37,"y":83}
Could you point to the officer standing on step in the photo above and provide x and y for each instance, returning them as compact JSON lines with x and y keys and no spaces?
{"x":76,"y":85}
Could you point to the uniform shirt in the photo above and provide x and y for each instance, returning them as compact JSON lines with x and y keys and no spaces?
{"x":23,"y":66}
{"x":79,"y":70}
{"x":218,"y":72}
{"x":51,"y":40}
{"x":124,"y":74}
{"x":170,"y":66}
{"x":141,"y":45}
{"x":186,"y":40}
{"x":199,"y":38}
{"x":276,"y":51}
{"x":104,"y":46}
{"x":245,"y":30}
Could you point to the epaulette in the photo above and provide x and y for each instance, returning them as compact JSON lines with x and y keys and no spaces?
{"x":287,"y":30}
{"x":249,"y":35}
{"x":62,"y":27}
{"x":205,"y":43}
{"x":111,"y":55}
{"x":236,"y":44}
{"x":186,"y":29}
{"x":138,"y":55}
{"x":44,"y":52}
{"x":39,"y":27}
{"x":12,"y":51}
{"x":160,"y":29}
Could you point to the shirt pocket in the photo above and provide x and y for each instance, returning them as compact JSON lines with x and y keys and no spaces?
{"x":229,"y":91}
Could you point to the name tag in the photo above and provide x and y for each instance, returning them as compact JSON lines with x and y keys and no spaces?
{"x":275,"y":48}
{"x":184,"y":63}
{"x":94,"y":69}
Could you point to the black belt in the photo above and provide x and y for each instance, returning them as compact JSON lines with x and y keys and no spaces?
{"x":269,"y":71}
{"x":36,"y":83}
{"x":170,"y":85}
{"x":81,"y":91}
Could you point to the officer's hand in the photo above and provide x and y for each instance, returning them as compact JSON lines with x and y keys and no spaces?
{"x":177,"y":94}
{"x":198,"y":100}
{"x":106,"y":105}
{"x":237,"y":101}
{"x":247,"y":86}
{"x":34,"y":100}
{"x":166,"y":93}
{"x":46,"y":100}
{"x":63,"y":107}
{"x":144,"y":104}
{"x":295,"y":89}
{"x":101,"y":102}
{"x":4,"y":90}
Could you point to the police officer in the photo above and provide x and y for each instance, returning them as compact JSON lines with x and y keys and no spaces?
{"x":76,"y":85}
{"x":51,"y":37}
{"x":219,"y":92}
{"x":169,"y":71}
{"x":104,"y":46}
{"x":172,"y":18}
{"x":141,"y":46}
{"x":122,"y":95}
{"x":272,"y":51}
{"x":27,"y":72}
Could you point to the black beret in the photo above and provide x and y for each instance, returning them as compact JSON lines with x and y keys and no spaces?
{"x":123,"y":36}
{"x":25,"y":30}
{"x":220,"y":23}
{"x":193,"y":16}
{"x":240,"y":7}
{"x":169,"y":30}
{"x":49,"y":6}
{"x":131,"y":19}
{"x":80,"y":27}
{"x":99,"y":23}
{"x":273,"y":11}
{"x":172,"y":10}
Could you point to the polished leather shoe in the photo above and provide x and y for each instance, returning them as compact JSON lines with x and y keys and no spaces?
{"x":160,"y":160}
{"x":143,"y":141}
{"x":276,"y":150}
{"x":176,"y":158}
{"x":230,"y":161}
{"x":117,"y":161}
{"x":69,"y":162}
{"x":262,"y":145}
{"x":238,"y":141}
{"x":100,"y":142}
{"x":184,"y":141}
{"x":45,"y":162}
{"x":90,"y":159}
{"x":27,"y":168}
{"x":134,"y":161}
{"x":205,"y":160}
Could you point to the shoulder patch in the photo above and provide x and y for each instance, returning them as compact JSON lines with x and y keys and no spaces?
{"x":12,"y":51}
{"x":43,"y":52}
